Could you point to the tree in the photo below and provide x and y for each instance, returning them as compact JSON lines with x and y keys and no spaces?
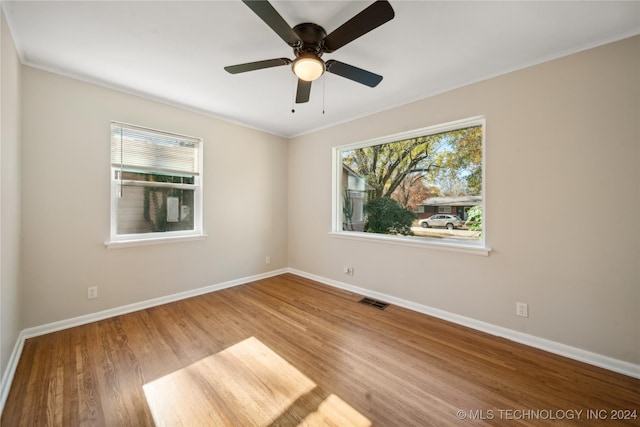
{"x":385,"y":166}
{"x":412,"y":191}
{"x":462,"y":165}
{"x":451,"y":186}
{"x":387,"y":216}
{"x":456,"y":154}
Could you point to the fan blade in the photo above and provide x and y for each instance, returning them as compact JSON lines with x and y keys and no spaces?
{"x":303,"y":91}
{"x":274,"y":20}
{"x":372,"y":17}
{"x":258,"y":65}
{"x":353,"y":73}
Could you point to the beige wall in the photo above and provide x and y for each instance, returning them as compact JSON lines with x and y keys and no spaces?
{"x":563,"y":150}
{"x":66,"y":160}
{"x":9,"y":196}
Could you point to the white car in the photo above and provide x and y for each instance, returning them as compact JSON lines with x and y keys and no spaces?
{"x":442,"y":220}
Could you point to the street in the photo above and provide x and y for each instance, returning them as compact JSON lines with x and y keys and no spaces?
{"x":444,"y":233}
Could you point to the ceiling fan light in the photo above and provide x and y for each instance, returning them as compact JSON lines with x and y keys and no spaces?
{"x":308,"y":68}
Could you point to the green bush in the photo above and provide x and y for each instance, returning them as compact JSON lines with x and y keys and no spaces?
{"x":474,"y":219}
{"x":387,"y":216}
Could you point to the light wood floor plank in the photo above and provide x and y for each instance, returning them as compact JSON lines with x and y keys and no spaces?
{"x":289,"y":351}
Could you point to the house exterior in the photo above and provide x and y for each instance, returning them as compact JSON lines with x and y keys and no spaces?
{"x":354,"y":197}
{"x":459,"y":206}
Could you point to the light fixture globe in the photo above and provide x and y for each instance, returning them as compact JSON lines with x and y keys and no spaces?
{"x":308,"y":67}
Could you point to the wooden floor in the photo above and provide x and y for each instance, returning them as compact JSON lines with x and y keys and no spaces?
{"x":288,"y":351}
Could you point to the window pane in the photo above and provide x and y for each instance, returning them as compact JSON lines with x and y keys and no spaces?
{"x":152,"y":209}
{"x":156,"y":184}
{"x":400,"y":187}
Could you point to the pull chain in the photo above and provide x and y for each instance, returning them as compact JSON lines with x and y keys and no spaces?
{"x":324,"y":79}
{"x":293,"y":94}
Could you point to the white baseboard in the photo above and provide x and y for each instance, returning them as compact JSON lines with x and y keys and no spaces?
{"x":25,"y":334}
{"x":12,"y":365}
{"x":606,"y":362}
{"x":117,"y":311}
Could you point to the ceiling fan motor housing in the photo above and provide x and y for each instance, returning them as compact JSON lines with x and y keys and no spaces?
{"x":312,"y":36}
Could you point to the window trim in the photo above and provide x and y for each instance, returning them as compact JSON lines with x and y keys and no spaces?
{"x":138,"y":239}
{"x":117,"y":244}
{"x":477,"y":247}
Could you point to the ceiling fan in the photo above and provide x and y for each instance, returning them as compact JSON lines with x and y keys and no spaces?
{"x":310,"y":41}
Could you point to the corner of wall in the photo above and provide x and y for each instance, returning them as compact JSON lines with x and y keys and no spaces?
{"x":10,"y":204}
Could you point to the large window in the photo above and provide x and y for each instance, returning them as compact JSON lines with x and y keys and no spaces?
{"x":423,"y":186}
{"x":155,"y":184}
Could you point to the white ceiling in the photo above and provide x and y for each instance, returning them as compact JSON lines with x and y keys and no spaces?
{"x":175,"y":51}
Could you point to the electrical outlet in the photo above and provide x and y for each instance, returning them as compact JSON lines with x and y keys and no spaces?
{"x":522,"y":309}
{"x":348,"y":270}
{"x":267,"y":260}
{"x":92,"y":292}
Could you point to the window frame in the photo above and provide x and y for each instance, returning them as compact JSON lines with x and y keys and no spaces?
{"x":476,"y":247}
{"x":136,"y":239}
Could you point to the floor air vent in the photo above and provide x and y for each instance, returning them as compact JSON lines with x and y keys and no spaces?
{"x":374,"y":303}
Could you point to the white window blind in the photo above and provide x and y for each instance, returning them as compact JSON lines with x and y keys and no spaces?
{"x":139,"y":149}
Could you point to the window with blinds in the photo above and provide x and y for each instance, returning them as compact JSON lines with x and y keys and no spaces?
{"x":156,"y":184}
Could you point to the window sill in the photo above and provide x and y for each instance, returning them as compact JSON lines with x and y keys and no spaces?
{"x":118,"y":244}
{"x":472,"y":247}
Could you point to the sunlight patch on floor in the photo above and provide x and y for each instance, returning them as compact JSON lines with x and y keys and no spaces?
{"x":334,"y":411}
{"x":246,"y":384}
